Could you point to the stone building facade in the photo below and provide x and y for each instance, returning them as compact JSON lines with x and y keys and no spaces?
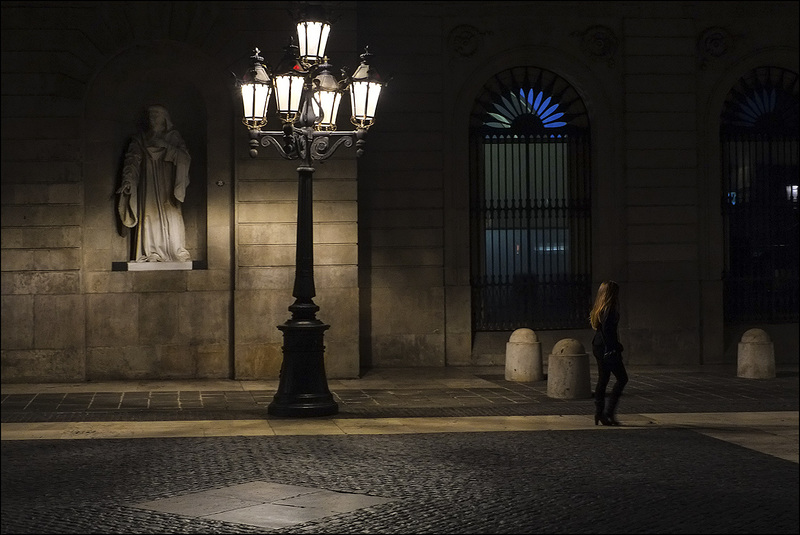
{"x":394,"y":230}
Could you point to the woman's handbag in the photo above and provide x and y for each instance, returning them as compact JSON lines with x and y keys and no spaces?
{"x":611,"y":357}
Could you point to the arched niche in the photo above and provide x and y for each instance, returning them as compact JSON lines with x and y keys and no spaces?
{"x":604,"y":110}
{"x":164,"y":73}
{"x":720,"y":341}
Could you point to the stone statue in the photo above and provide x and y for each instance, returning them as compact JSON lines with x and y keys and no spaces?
{"x":154,"y":179}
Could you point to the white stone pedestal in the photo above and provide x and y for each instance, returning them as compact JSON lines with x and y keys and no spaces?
{"x":568,"y":371}
{"x":756,"y":357}
{"x":524,"y":357}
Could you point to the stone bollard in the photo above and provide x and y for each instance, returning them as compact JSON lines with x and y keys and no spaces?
{"x":756,"y":358}
{"x":568,"y":371}
{"x":524,"y":357}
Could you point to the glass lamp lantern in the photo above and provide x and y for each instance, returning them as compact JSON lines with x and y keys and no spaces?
{"x":327,"y":95}
{"x":365,"y":89}
{"x":312,"y":34}
{"x":256,"y":88}
{"x":289,"y":82}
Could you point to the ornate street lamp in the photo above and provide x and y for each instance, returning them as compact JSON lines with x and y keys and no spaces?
{"x":307,"y":98}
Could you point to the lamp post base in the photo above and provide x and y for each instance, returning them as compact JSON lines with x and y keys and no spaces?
{"x":303,"y":386}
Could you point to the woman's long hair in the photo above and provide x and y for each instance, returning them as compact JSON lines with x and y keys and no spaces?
{"x":604,"y":302}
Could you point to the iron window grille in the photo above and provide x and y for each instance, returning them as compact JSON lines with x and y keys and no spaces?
{"x":530,"y":210}
{"x":759,"y":138}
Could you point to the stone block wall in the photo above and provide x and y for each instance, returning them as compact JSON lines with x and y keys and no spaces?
{"x":391,"y":228}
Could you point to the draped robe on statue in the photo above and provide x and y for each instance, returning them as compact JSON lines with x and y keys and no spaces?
{"x":154,"y":179}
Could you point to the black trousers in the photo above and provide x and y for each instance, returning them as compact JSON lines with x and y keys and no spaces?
{"x":604,"y":373}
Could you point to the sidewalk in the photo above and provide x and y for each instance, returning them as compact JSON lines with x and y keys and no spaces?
{"x":451,"y":391}
{"x":410,"y":400}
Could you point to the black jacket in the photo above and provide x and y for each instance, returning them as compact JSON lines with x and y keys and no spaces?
{"x":608,"y":325}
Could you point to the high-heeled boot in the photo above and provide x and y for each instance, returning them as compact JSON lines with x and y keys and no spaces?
{"x":612,"y":409}
{"x":599,"y":414}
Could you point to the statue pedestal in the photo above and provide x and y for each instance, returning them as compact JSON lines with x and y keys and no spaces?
{"x":159,"y":266}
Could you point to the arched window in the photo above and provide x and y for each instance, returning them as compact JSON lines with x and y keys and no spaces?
{"x":530,"y":209}
{"x":759,"y":136}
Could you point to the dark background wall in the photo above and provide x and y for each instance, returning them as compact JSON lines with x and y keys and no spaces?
{"x":391,"y":228}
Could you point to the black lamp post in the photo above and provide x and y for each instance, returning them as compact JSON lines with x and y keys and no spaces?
{"x":307,"y":97}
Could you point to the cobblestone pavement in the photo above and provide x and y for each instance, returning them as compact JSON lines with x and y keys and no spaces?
{"x":592,"y":480}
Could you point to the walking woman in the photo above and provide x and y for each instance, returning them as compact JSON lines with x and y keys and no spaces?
{"x":607,"y":350}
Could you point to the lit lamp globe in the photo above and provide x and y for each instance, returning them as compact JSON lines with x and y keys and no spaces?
{"x":289,"y":80}
{"x":365,"y":89}
{"x":312,"y":34}
{"x":256,"y":88}
{"x":327,"y":95}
